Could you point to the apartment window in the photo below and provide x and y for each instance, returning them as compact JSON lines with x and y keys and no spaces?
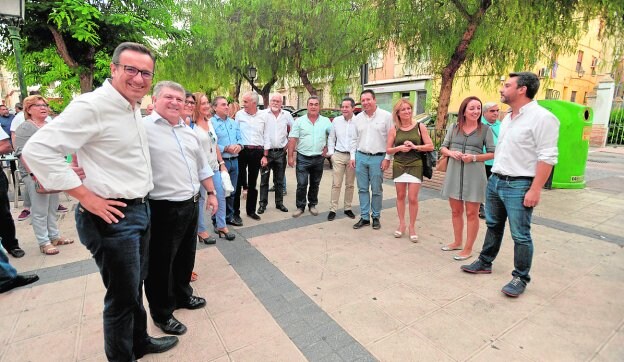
{"x":300,"y":100}
{"x":573,"y":97}
{"x":594,"y":63}
{"x":376,"y":60}
{"x":579,"y":61}
{"x":405,"y":95}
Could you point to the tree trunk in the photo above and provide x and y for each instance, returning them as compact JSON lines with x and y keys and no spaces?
{"x":457,"y":59}
{"x":237,"y":87}
{"x":303,"y":75}
{"x":86,"y":81}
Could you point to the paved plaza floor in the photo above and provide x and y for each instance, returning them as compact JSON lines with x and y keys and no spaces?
{"x":309,"y":289}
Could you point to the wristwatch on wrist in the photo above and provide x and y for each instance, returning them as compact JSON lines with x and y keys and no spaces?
{"x":474,"y":158}
{"x":211,"y":192}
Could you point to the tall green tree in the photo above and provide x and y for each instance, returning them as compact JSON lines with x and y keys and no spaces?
{"x":459,"y":36}
{"x":81,"y":31}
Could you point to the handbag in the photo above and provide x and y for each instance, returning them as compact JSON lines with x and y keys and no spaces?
{"x":428,"y":159}
{"x":227,"y":182}
{"x":442,"y":164}
{"x":443,"y":161}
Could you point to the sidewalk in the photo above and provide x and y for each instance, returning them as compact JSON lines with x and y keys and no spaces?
{"x":308,"y":289}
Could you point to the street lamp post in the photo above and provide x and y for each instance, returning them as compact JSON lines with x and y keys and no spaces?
{"x":252,"y":72}
{"x":13,"y":12}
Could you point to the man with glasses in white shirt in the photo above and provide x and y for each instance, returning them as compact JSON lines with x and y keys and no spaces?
{"x":338,"y":146}
{"x":525,"y":155}
{"x":112,"y":217}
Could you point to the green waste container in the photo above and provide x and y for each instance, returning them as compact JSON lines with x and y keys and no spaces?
{"x":575,"y":125}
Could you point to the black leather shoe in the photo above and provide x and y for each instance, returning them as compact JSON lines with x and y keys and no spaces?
{"x":361,"y":223}
{"x":331,"y":216}
{"x":282,"y":208}
{"x":19,"y":281}
{"x":350,"y":214}
{"x":235,"y":222}
{"x":193,"y":303}
{"x":376,"y":223}
{"x":171,"y":326}
{"x":254,"y":216}
{"x":17,"y":252}
{"x":261,"y":210}
{"x":156,"y":345}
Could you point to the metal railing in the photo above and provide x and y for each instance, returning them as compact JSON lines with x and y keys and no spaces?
{"x":615,"y":135}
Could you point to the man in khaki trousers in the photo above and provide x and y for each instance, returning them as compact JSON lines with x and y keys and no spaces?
{"x":338,"y":145}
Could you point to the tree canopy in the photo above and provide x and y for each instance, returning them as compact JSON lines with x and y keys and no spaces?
{"x":83,"y":34}
{"x":461,"y":36}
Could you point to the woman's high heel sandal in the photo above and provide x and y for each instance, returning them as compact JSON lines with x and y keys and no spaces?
{"x":226,"y":235}
{"x":208,"y":241}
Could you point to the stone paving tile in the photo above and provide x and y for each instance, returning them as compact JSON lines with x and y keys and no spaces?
{"x":365,"y":321}
{"x":501,"y":351}
{"x":48,"y":317}
{"x":279,"y":349}
{"x":451,"y":334}
{"x":407,"y":345}
{"x":55,"y":346}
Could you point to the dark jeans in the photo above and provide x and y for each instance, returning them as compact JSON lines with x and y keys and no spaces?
{"x":7,"y":225}
{"x":249,"y":160}
{"x":172,"y":255}
{"x":504,"y":201}
{"x":276,"y":163}
{"x":232,"y":167}
{"x":7,"y":271}
{"x":309,"y":168}
{"x":120,"y":252}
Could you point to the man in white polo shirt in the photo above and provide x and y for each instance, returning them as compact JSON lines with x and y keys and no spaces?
{"x":525,"y":155}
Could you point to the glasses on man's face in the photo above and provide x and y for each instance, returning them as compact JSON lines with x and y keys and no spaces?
{"x":40,"y":105}
{"x":493,"y":110}
{"x":132,"y":71}
{"x":190,"y":103}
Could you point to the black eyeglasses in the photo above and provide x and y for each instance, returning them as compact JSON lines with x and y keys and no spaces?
{"x":132,"y":71}
{"x":190,"y":103}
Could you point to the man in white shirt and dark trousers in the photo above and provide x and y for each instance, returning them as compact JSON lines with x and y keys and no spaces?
{"x":525,"y":155}
{"x":338,"y":146}
{"x":276,"y":126}
{"x":251,"y":122}
{"x":112,"y":218}
{"x":179,"y":165}
{"x":368,"y":157}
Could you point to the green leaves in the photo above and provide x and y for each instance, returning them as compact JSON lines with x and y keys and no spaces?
{"x":78,"y":18}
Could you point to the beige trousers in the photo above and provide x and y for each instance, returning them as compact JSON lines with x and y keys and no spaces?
{"x":340,"y":162}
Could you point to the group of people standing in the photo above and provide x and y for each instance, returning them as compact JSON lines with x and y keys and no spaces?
{"x":146,"y":186}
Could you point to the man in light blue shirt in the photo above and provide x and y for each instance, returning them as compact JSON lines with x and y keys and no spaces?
{"x":230,"y":145}
{"x":309,"y":136}
{"x":490,"y":117}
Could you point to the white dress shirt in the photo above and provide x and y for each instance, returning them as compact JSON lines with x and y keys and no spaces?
{"x":529,"y":137}
{"x":107,"y":134}
{"x":251,"y":127}
{"x":371,"y":133}
{"x":179,"y":162}
{"x":276,"y":129}
{"x":341,"y":135}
